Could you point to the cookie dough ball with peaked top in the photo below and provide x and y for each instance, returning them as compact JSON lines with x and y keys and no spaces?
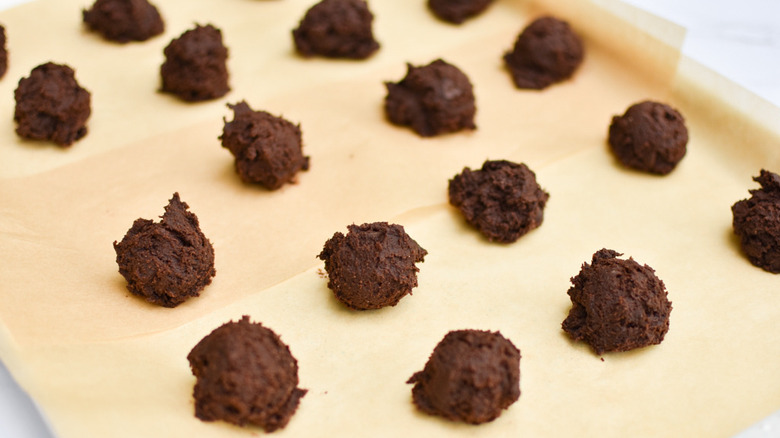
{"x":434,"y":99}
{"x":617,"y":305}
{"x":372,"y":266}
{"x":168,"y":262}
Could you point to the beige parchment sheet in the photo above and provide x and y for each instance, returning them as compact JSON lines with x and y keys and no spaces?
{"x":103,"y":363}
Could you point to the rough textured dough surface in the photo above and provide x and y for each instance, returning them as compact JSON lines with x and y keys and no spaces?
{"x":61,"y":209}
{"x":433,"y":99}
{"x":337,"y":29}
{"x":546,"y":51}
{"x":650,"y":136}
{"x":3,"y":53}
{"x":51,"y":105}
{"x":617,"y":305}
{"x":471,"y":376}
{"x":458,"y":11}
{"x":124,"y":20}
{"x":167,"y":262}
{"x":502,"y":199}
{"x":372,"y":266}
{"x":267,"y":149}
{"x":195,"y":66}
{"x":245,"y":375}
{"x":756,"y":221}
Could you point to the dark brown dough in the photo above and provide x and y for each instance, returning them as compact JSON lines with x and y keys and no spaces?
{"x":650,"y":137}
{"x":433,"y":99}
{"x":546,"y":51}
{"x":267,"y":149}
{"x":245,"y":376}
{"x":757,"y":223}
{"x":336,"y":29}
{"x":617,"y":305}
{"x":502,"y":200}
{"x":458,"y":11}
{"x":471,"y":376}
{"x":51,"y":105}
{"x":3,"y":53}
{"x":167,"y":262}
{"x":124,"y":20}
{"x":373,"y":266}
{"x":195,"y":66}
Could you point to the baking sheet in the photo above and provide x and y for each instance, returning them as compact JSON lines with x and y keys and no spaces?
{"x":101,"y":362}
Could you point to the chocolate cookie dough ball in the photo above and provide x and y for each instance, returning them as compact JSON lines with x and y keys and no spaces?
{"x":433,"y":99}
{"x":757,"y":223}
{"x":546,"y":51}
{"x":195,"y":67}
{"x":373,"y":266}
{"x":617,"y":305}
{"x":502,"y":200}
{"x":167,"y":262}
{"x":650,"y":137}
{"x":124,"y":20}
{"x":3,"y":53}
{"x":458,"y":11}
{"x":245,"y":376}
{"x":267,"y":149}
{"x":336,"y":29}
{"x":471,"y":376}
{"x":51,"y":105}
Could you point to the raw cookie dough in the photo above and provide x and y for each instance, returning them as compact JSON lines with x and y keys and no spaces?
{"x":373,"y":266}
{"x":433,"y":99}
{"x":336,"y":29}
{"x":471,"y":376}
{"x":502,"y":200}
{"x":757,"y":223}
{"x":546,"y":51}
{"x":458,"y":11}
{"x":124,"y":20}
{"x":650,"y":137}
{"x":267,"y":149}
{"x":617,"y":305}
{"x":167,"y":262}
{"x":3,"y":53}
{"x":51,"y":105}
{"x":195,"y":66}
{"x":245,"y":375}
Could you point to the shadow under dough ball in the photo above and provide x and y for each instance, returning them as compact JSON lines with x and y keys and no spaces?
{"x":546,"y":51}
{"x":168,"y":262}
{"x":336,"y":29}
{"x":502,"y":199}
{"x":617,"y":305}
{"x":372,"y":266}
{"x":649,"y":137}
{"x":267,"y":149}
{"x":471,"y":376}
{"x":195,"y":67}
{"x":245,"y":375}
{"x":756,"y":221}
{"x":124,"y":20}
{"x":433,"y":99}
{"x":458,"y":11}
{"x":51,"y":105}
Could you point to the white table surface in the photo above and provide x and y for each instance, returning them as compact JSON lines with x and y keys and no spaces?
{"x":740,"y":40}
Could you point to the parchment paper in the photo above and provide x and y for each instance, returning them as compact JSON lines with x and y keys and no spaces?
{"x":104,"y":363}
